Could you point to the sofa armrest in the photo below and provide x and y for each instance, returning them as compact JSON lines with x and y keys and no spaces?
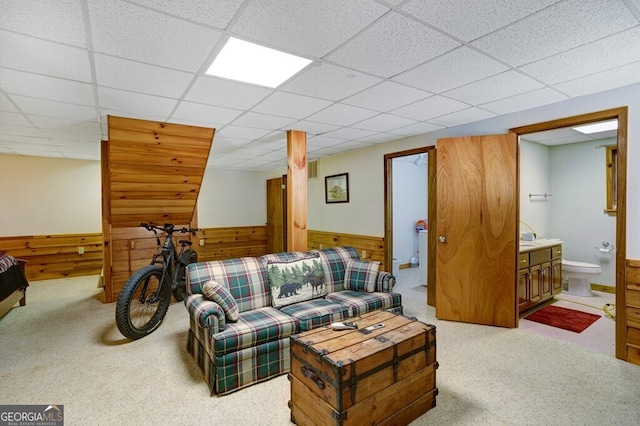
{"x":206,"y":313}
{"x":385,"y":282}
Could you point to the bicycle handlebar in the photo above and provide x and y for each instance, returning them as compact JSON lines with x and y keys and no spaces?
{"x":168,"y":228}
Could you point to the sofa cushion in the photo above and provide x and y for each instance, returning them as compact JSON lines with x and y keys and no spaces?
{"x":246,"y":279}
{"x":334,"y":263}
{"x":253,"y":328}
{"x":296,"y":280}
{"x":361,"y":275}
{"x":360,"y":302}
{"x":215,"y":292}
{"x":317,"y":313}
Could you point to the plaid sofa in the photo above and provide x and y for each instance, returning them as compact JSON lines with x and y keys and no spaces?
{"x":256,"y":347}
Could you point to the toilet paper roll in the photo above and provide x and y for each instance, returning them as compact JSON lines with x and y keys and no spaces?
{"x":605,"y":250}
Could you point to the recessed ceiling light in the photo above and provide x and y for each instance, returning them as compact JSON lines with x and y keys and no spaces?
{"x":250,"y":63}
{"x":597,"y":127}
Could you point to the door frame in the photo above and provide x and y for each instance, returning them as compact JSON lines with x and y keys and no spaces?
{"x":621,"y":114}
{"x":388,"y":199}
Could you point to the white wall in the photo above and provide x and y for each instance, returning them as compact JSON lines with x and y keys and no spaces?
{"x":578,"y":184}
{"x":534,"y":178}
{"x":232,"y":198}
{"x":409,"y":205}
{"x":42,"y":196}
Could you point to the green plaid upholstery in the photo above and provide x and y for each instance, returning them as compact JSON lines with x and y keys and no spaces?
{"x":334,"y":263}
{"x":316,"y":313}
{"x":204,"y":312}
{"x":238,"y":370}
{"x":361,"y":302}
{"x":361,"y":275}
{"x":246,"y":279}
{"x":216,"y":292}
{"x":253,"y":328}
{"x":385,"y":282}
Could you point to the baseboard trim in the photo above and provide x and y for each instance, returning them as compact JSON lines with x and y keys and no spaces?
{"x":603,"y":288}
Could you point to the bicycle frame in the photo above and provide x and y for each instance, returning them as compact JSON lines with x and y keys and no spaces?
{"x":167,"y":259}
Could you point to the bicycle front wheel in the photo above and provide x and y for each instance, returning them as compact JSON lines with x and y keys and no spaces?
{"x":142,"y":303}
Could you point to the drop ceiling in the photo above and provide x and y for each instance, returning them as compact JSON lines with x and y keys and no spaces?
{"x":380,"y":71}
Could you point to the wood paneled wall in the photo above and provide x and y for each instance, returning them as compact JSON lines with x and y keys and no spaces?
{"x":56,"y":256}
{"x":229,"y":243}
{"x":369,"y":248}
{"x":632,"y":311}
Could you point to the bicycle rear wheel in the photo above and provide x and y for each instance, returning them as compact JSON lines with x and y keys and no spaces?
{"x":142,"y":304}
{"x":180,"y":292}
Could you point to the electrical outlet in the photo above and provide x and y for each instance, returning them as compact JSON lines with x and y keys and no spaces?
{"x":80,"y":250}
{"x":320,"y":246}
{"x":364,"y":254}
{"x":201,"y":242}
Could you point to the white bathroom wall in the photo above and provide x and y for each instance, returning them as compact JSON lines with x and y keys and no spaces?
{"x":578,"y":184}
{"x":409,"y":205}
{"x":534,"y":178}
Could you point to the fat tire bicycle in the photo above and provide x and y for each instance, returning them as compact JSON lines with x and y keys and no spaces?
{"x":145,"y":297}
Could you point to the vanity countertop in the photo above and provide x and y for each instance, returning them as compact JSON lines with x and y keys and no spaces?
{"x":527,"y":246}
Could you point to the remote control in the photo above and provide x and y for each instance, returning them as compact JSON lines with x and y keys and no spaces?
{"x":344,"y":326}
{"x":369,"y":329}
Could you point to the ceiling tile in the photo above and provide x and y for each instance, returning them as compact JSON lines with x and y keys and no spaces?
{"x":6,"y":104}
{"x":262,"y":121}
{"x":415,"y":129}
{"x":493,"y":88}
{"x":587,"y":59}
{"x":291,"y":105}
{"x":43,"y":57}
{"x":87,"y":127}
{"x":384,"y":123}
{"x":563,"y":26}
{"x":379,"y":138}
{"x":238,"y":132}
{"x":331,"y":82}
{"x":349,"y":133}
{"x":341,"y":114}
{"x":217,"y":13}
{"x":44,"y":87}
{"x":56,"y":20}
{"x":231,"y":94}
{"x":313,"y":27}
{"x":205,"y":113}
{"x":525,"y":101}
{"x":312,"y":127}
{"x":386,"y":96}
{"x":426,"y":109}
{"x":469,"y":115}
{"x":118,"y":73}
{"x":392,"y":45}
{"x":32,"y":106}
{"x":13,"y":119}
{"x":135,"y":103}
{"x":454,"y":69}
{"x":454,"y":16}
{"x":132,"y":32}
{"x":8,"y":130}
{"x":606,"y":80}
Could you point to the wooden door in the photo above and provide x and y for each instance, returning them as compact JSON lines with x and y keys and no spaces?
{"x":276,"y":210}
{"x":477,"y":230}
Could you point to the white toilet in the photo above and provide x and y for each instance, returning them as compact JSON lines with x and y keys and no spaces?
{"x":579,"y":275}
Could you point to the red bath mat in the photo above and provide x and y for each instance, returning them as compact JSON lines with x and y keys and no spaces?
{"x":567,"y":319}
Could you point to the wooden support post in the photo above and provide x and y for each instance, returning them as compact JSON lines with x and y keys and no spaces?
{"x":296,"y":190}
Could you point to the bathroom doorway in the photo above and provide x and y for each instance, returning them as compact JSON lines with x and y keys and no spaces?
{"x":554,"y":206}
{"x":399,"y":167}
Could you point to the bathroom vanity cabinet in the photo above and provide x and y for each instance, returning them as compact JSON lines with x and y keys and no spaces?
{"x":539,"y":275}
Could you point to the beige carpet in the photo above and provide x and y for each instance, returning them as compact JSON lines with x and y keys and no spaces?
{"x":64,"y":348}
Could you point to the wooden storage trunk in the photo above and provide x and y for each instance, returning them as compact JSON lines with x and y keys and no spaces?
{"x":349,"y":377}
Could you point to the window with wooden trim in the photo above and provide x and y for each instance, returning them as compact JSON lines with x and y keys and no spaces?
{"x":612,"y":181}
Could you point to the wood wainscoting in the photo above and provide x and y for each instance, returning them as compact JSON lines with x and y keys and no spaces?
{"x":631,"y":311}
{"x":369,"y":248}
{"x":231,"y":242}
{"x":56,"y":256}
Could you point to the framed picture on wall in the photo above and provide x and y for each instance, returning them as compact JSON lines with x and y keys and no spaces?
{"x":336,"y":188}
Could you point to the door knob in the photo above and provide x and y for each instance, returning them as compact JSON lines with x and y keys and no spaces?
{"x":442,"y":239}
